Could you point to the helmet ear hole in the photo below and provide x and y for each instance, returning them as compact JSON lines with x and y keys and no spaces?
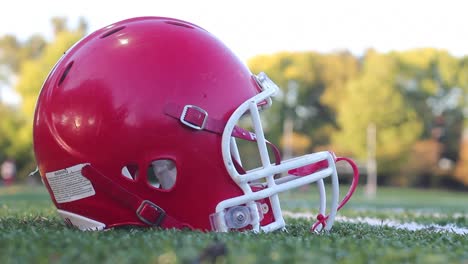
{"x":130,"y":171}
{"x":162,"y":174}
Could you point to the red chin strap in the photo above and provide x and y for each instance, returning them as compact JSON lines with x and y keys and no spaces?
{"x":309,"y":169}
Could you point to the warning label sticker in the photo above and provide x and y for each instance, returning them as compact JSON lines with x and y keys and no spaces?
{"x":69,"y":184}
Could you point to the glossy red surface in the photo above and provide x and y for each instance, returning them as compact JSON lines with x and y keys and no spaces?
{"x":104,"y":102}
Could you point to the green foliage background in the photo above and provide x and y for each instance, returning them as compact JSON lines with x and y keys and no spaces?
{"x":417,"y":99}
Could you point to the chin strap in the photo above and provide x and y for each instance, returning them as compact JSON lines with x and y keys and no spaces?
{"x":146,"y":211}
{"x":322,"y":219}
{"x":198,"y":119}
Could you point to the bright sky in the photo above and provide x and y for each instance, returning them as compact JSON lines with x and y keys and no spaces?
{"x":251,"y":27}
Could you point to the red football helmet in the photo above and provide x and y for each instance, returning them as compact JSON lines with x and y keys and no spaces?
{"x":137,"y":125}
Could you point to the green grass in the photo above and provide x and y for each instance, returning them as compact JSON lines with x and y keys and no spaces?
{"x":422,"y":206}
{"x":31,"y":232}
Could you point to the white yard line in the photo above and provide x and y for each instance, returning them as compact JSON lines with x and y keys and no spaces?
{"x":410,"y":226}
{"x":425,"y":212}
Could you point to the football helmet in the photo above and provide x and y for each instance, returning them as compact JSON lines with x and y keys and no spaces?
{"x":138,"y":124}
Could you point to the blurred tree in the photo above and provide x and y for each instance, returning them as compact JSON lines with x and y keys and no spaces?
{"x":373,"y":97}
{"x":433,"y":81}
{"x":33,"y":47}
{"x":461,"y":170}
{"x":421,"y":165}
{"x":336,"y":70}
{"x":59,"y":24}
{"x":82,"y":25}
{"x":9,"y":59}
{"x":10,"y":122}
{"x":320,"y":80}
{"x":299,"y":143}
{"x":13,"y":52}
{"x":10,"y":51}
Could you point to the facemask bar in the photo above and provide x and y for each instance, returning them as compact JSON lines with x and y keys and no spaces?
{"x":235,"y":151}
{"x":268,"y":170}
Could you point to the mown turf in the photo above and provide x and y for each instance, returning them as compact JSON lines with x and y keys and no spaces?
{"x":31,"y":232}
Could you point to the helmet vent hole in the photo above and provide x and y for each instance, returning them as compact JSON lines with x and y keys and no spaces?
{"x":180,"y":24}
{"x":65,"y":73}
{"x":130,"y":171}
{"x":112,"y":31}
{"x":162,"y":174}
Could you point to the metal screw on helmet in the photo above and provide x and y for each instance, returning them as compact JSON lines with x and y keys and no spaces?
{"x":238,"y":217}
